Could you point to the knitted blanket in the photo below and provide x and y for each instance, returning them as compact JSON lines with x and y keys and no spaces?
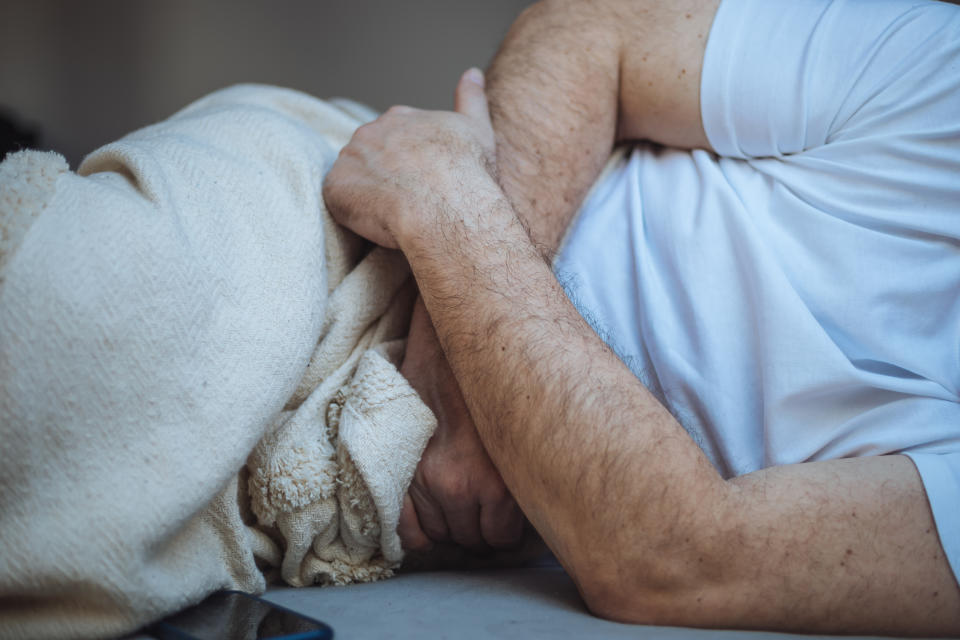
{"x":198,"y":382}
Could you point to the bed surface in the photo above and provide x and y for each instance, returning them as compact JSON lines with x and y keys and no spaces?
{"x":539,"y":602}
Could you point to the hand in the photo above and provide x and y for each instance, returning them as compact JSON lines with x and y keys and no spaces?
{"x":457,"y":493}
{"x":407,"y":159}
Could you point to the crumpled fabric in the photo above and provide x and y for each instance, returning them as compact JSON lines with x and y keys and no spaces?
{"x":198,"y":382}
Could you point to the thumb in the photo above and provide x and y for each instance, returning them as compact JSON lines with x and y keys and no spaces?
{"x":470,"y":99}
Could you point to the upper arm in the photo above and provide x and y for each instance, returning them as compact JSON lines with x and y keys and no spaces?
{"x":838,"y":546}
{"x":552,"y":89}
{"x":572,"y":78}
{"x":661,"y":64}
{"x":842,"y":545}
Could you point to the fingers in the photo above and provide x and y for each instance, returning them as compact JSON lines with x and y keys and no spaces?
{"x":470,"y":99}
{"x":399,"y":110}
{"x":411,"y":535}
{"x":494,"y":521}
{"x":429,"y":513}
{"x":347,"y":189}
{"x":501,"y":523}
{"x":464,"y":523}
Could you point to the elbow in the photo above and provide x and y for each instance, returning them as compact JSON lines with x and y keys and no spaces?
{"x":617,"y":602}
{"x":686,"y":569}
{"x":633,"y":601}
{"x":683,"y":587}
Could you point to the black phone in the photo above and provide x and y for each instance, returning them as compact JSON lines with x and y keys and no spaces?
{"x":234,"y":615}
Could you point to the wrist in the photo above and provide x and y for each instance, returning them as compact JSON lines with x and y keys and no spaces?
{"x":462,"y":208}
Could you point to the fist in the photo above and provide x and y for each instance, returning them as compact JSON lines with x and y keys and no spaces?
{"x":411,"y":167}
{"x":456,"y":494}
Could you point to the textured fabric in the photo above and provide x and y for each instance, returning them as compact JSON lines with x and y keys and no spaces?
{"x":795,"y":297}
{"x":197,"y":371}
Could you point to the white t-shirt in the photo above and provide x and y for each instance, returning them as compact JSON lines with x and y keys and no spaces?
{"x":796,"y":296}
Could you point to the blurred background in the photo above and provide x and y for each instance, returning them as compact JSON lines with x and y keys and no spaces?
{"x":77,"y":74}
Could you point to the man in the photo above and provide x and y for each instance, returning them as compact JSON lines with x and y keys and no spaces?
{"x":791,"y":297}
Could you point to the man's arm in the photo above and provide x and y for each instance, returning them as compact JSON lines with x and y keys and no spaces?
{"x":559,"y":102}
{"x":635,"y":512}
{"x":633,"y":509}
{"x":572,"y":78}
{"x":555,"y":117}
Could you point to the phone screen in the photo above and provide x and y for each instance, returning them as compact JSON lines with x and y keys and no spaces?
{"x":232,"y":615}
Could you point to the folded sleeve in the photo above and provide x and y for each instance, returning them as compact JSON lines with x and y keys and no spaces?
{"x":941,"y":479}
{"x":784,"y":76}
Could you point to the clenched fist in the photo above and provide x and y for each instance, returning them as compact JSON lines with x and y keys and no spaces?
{"x":457,"y":493}
{"x":409,"y":167}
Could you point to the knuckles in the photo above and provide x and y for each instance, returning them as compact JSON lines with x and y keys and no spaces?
{"x":497,"y":493}
{"x":455,"y":482}
{"x":399,"y":109}
{"x":404,"y":140}
{"x":362,"y":133}
{"x":447,"y":482}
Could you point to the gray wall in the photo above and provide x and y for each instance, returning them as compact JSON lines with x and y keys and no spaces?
{"x":86,"y":72}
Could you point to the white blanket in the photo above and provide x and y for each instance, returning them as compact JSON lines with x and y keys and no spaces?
{"x":197,"y":371}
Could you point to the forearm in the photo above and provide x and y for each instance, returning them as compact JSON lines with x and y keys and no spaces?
{"x":625,"y":498}
{"x":555,"y":94}
{"x":554,"y":104}
{"x":559,"y":101}
{"x":627,"y":501}
{"x":599,"y":467}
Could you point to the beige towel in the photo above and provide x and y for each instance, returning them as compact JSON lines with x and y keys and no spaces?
{"x":197,"y":371}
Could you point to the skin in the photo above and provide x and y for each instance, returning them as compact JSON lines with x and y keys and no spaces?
{"x":637,"y":515}
{"x":554,"y":106}
{"x":456,"y":493}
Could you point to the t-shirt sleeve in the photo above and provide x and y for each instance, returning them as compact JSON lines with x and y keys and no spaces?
{"x":864,"y":95}
{"x":785,"y":76}
{"x":941,"y":479}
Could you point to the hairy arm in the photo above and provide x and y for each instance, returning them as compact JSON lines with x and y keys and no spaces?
{"x":563,"y":89}
{"x":635,"y":512}
{"x":645,"y":526}
{"x":572,"y":78}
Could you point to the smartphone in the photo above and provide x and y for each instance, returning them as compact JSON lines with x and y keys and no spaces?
{"x":234,"y":615}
